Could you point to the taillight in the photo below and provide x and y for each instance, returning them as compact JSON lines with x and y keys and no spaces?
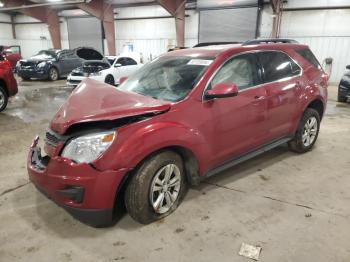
{"x":325,"y":79}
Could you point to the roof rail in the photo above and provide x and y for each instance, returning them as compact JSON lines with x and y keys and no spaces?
{"x":270,"y":40}
{"x":215,"y":43}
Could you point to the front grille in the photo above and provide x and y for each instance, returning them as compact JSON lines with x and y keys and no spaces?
{"x":77,"y":74}
{"x":52,"y":138}
{"x":27,"y":64}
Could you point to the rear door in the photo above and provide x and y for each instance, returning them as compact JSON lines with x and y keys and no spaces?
{"x":282,"y":81}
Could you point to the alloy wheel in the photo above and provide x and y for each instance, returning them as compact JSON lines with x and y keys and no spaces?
{"x":2,"y":99}
{"x":165,"y":188}
{"x":310,"y":131}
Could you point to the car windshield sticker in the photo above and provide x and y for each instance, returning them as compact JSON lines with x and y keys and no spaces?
{"x":201,"y":62}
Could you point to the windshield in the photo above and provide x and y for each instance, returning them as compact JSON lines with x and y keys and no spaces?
{"x":45,"y":54}
{"x":111,"y":60}
{"x":167,"y":78}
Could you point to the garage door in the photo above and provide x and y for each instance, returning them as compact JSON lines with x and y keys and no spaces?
{"x":85,"y":31}
{"x":228,"y":25}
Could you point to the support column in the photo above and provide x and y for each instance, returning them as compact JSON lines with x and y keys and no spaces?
{"x":276,"y":19}
{"x":177,"y":9}
{"x":14,"y":36}
{"x":103,"y":11}
{"x":43,"y":14}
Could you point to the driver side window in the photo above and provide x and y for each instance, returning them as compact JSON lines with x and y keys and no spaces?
{"x":240,"y":70}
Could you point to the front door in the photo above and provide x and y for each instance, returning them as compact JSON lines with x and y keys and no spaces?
{"x":237,"y":123}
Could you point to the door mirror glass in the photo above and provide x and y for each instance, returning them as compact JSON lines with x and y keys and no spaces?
{"x":222,"y":90}
{"x":348,"y":67}
{"x":117,"y":65}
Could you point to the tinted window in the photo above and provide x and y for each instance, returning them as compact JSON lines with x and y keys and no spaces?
{"x":240,"y":70}
{"x":130,"y":61}
{"x":309,"y":56}
{"x":277,"y":65}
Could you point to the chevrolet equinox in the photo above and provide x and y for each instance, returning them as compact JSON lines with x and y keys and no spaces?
{"x":183,"y":117}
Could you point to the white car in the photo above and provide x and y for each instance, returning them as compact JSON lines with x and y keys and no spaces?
{"x":109,"y":72}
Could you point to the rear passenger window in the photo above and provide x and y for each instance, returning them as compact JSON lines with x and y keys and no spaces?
{"x":240,"y":70}
{"x":309,"y":56}
{"x":277,"y":66}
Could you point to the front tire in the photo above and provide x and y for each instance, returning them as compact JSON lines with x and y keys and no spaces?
{"x":53,"y":74}
{"x":307,"y":132}
{"x":341,"y":99}
{"x":110,"y":80}
{"x":3,"y":98}
{"x":25,"y":78}
{"x":157,"y":188}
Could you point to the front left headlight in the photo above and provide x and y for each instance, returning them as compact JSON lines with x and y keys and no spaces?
{"x":85,"y":149}
{"x":41,"y":64}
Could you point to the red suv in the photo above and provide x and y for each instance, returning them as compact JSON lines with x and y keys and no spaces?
{"x":181,"y":118}
{"x":8,"y":84}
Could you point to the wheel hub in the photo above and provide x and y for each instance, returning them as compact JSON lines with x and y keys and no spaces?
{"x":165,"y":188}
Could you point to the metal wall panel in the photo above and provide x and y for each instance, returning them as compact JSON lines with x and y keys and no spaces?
{"x":226,"y":25}
{"x":204,"y":4}
{"x":85,"y":31}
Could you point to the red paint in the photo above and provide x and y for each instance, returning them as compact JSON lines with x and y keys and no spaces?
{"x":213,"y":130}
{"x":222,"y":90}
{"x":7,"y":80}
{"x":13,"y":58}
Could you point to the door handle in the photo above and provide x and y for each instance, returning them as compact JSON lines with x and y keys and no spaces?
{"x":259,"y":97}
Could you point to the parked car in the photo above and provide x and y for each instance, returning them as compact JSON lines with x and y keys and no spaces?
{"x":344,"y":87}
{"x":54,"y":63}
{"x":109,"y":72}
{"x":185,"y":116}
{"x":8,"y":84}
{"x":12,"y":54}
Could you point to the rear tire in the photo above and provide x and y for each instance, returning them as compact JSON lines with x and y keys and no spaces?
{"x":53,"y":74}
{"x":307,"y":132}
{"x":157,"y":188}
{"x":110,"y":80}
{"x":341,"y":99}
{"x":3,"y":98}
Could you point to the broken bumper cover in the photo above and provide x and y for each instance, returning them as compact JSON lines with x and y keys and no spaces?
{"x":86,"y":193}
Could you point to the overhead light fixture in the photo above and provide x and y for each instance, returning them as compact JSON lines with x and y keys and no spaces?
{"x":54,"y":0}
{"x":1,"y":4}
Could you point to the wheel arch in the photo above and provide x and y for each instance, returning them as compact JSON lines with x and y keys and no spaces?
{"x":190,"y":162}
{"x":318,"y":105}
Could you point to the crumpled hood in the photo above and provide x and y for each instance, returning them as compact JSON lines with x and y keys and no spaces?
{"x":96,"y":101}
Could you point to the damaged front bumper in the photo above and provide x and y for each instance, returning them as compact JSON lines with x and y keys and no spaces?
{"x":85,"y":192}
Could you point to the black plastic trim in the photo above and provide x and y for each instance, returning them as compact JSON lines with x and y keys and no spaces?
{"x":237,"y":160}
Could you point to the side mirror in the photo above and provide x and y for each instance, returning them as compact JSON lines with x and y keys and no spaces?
{"x":222,"y":90}
{"x":348,"y":67}
{"x":122,"y":79}
{"x":117,"y":65}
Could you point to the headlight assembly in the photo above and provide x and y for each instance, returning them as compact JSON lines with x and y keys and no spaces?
{"x":85,"y":149}
{"x":41,"y":64}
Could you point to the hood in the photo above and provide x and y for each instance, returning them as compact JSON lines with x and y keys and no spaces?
{"x":95,"y":101}
{"x":88,"y":53}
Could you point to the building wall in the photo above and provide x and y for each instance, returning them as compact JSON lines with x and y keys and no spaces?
{"x":152,"y":37}
{"x":6,"y":30}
